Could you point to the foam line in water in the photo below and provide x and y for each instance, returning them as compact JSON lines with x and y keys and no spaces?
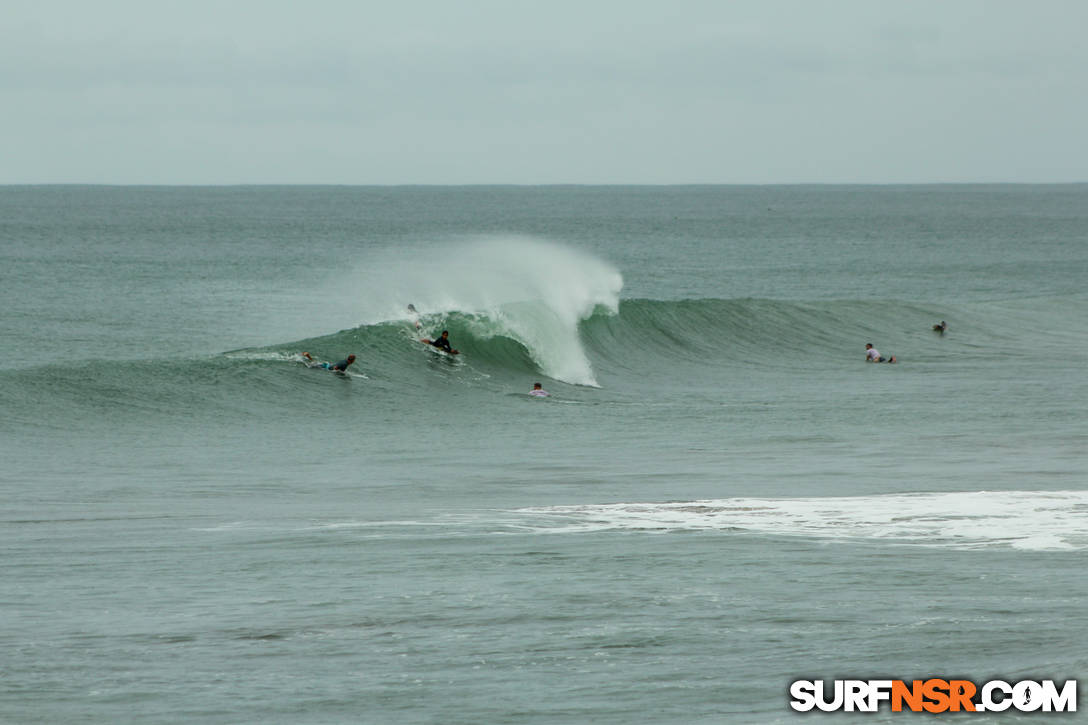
{"x":1029,"y":520}
{"x":536,"y":292}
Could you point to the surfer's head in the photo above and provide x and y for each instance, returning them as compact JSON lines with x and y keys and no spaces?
{"x":445,"y":333}
{"x":536,"y":386}
{"x":351,"y":358}
{"x":868,"y":346}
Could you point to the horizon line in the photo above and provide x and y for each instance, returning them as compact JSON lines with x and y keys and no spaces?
{"x":529,"y":184}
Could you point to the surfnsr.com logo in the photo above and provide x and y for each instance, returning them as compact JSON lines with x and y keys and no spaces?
{"x":933,"y":695}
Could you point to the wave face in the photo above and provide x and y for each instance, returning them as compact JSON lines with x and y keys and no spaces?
{"x":580,"y":337}
{"x":586,"y":339}
{"x":533,"y":292}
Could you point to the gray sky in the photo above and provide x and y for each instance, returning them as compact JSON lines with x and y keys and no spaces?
{"x":482,"y":91}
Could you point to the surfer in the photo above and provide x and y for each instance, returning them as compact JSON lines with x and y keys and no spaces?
{"x":442,"y":343}
{"x":343,"y":364}
{"x":941,"y":327}
{"x":538,"y":391}
{"x":415,"y":315}
{"x":873,"y":355}
{"x":337,"y":367}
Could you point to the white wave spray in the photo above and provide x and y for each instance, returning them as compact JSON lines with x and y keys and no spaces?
{"x":533,"y":291}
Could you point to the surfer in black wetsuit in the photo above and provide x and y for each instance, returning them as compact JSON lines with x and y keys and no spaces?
{"x":443,"y":342}
{"x":343,"y":364}
{"x":338,"y":367}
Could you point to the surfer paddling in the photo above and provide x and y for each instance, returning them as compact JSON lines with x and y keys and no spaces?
{"x":343,"y":364}
{"x":339,"y":367}
{"x":941,"y":327}
{"x":442,"y":343}
{"x":873,"y":355}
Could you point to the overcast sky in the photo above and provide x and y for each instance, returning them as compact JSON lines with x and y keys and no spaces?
{"x":482,"y":91}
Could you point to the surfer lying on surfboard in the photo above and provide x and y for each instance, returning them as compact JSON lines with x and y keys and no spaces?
{"x":873,"y":355}
{"x":442,"y":343}
{"x":335,"y":367}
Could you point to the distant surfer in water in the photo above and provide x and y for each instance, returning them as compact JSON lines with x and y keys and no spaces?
{"x":415,"y":315}
{"x":941,"y":327}
{"x":538,"y":391}
{"x":442,"y":343}
{"x":873,"y":355}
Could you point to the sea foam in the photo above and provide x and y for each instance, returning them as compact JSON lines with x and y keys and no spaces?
{"x":1026,"y":520}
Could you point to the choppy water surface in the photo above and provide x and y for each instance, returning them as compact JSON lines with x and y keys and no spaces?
{"x":719,"y":496}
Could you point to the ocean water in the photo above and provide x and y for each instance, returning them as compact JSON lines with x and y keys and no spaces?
{"x":719,"y":497}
